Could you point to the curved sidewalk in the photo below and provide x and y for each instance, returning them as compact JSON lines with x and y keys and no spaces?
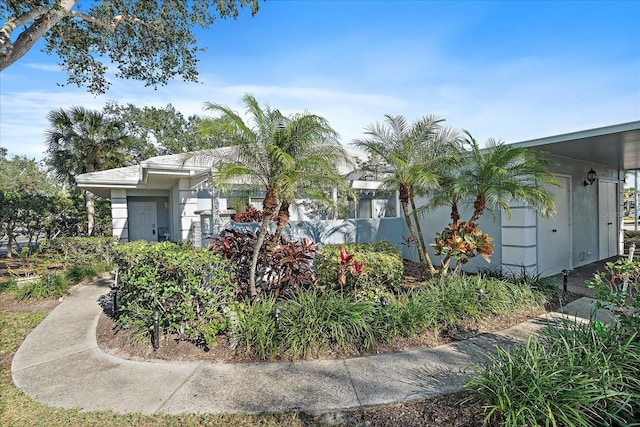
{"x":60,"y":364}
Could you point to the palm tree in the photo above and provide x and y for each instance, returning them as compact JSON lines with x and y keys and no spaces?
{"x":81,"y":141}
{"x":285,"y":156}
{"x":492,"y":178}
{"x":413,"y":153}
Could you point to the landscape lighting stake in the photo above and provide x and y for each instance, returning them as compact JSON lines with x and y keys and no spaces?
{"x":276,"y":313}
{"x":48,"y":280}
{"x":565,"y":275}
{"x":114,"y":303}
{"x":384,"y":301}
{"x":156,"y":330}
{"x":480,"y":293}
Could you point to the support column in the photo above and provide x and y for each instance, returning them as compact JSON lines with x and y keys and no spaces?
{"x":519,"y":240}
{"x":119,"y":215}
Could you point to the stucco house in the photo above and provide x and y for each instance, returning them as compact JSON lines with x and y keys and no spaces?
{"x":170,"y":198}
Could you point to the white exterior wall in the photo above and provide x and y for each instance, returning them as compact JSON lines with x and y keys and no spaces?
{"x":119,"y":214}
{"x":340,"y":231}
{"x":519,"y":240}
{"x":185,"y":202}
{"x":188,"y":204}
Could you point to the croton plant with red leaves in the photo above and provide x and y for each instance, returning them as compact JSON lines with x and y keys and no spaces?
{"x":462,"y":241}
{"x":348,"y":264}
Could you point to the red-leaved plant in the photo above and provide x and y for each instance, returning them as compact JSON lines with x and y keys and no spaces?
{"x":282,"y":267}
{"x":251,"y":214}
{"x":349,"y":266}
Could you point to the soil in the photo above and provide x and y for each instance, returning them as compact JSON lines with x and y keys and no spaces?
{"x":445,"y":410}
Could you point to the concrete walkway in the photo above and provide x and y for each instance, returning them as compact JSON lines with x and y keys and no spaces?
{"x":60,"y":364}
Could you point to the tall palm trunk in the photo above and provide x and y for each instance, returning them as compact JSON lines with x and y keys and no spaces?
{"x":427,"y":258}
{"x":404,"y":202}
{"x":91,"y":212}
{"x":283,"y":218}
{"x":269,"y":207}
{"x":89,"y":202}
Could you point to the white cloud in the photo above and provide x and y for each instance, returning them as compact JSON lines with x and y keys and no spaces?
{"x":43,"y":67}
{"x":517,"y":99}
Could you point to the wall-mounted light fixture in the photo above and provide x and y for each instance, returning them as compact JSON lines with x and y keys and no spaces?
{"x":591,"y":177}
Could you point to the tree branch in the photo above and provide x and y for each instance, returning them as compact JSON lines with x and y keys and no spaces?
{"x":117,"y":20}
{"x":7,"y":29}
{"x":43,"y":20}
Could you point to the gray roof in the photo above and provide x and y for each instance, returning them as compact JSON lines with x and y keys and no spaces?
{"x":162,"y":168}
{"x":129,"y":175}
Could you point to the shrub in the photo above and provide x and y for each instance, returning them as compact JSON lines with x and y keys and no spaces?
{"x":190,"y":287}
{"x":618,"y":289}
{"x":454,"y":301}
{"x":573,"y":374}
{"x":382,"y":267}
{"x":250,"y":214}
{"x":547,"y":285}
{"x":256,"y":328}
{"x":404,"y":316}
{"x":282,"y":268}
{"x":28,"y":262}
{"x":55,"y":285}
{"x":631,"y":237}
{"x":313,"y":321}
{"x":80,"y":251}
{"x":461,"y":241}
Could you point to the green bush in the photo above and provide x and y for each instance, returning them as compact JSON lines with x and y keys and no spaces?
{"x":631,"y":237}
{"x":55,"y":285}
{"x":618,"y":290}
{"x":256,"y":328}
{"x":572,"y":374}
{"x":404,"y":316}
{"x":547,"y":285}
{"x":190,"y":287}
{"x":80,"y":251}
{"x":383,"y":268}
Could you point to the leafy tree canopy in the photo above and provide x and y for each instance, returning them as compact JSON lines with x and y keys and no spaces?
{"x":148,"y":40}
{"x":158,"y":131}
{"x":21,"y":174}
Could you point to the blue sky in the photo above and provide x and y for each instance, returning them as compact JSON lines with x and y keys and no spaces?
{"x":511,"y":70}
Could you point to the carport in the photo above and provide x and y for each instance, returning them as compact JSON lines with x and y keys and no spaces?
{"x":616,"y":146}
{"x":591,"y":168}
